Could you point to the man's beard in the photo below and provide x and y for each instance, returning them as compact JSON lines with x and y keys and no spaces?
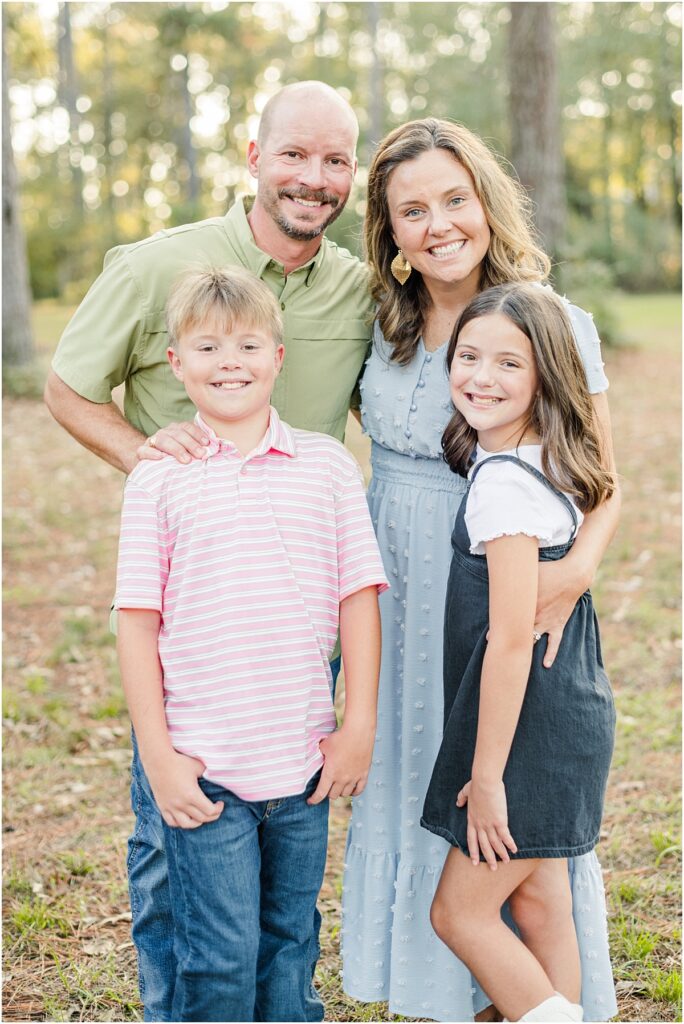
{"x":301,"y":234}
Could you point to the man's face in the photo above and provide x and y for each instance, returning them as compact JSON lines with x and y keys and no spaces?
{"x":305,"y":166}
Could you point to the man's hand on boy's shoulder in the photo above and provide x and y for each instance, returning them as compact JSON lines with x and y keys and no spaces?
{"x":347,"y":753}
{"x":180,"y":800}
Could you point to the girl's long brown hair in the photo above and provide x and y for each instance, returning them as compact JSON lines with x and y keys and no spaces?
{"x":513,"y":254}
{"x":562,"y":413}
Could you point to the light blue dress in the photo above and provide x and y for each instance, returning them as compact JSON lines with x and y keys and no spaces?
{"x":392,"y":867}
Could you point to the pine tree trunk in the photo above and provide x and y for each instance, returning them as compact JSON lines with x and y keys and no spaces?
{"x":376,"y":100}
{"x":536,"y":150}
{"x":17,"y":340}
{"x":70,"y":266}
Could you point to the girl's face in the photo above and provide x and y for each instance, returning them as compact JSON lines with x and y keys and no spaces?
{"x":494,"y":380}
{"x":438,"y":221}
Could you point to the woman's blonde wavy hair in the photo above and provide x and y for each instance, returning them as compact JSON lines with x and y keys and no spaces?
{"x":562,"y":414}
{"x":513,"y":254}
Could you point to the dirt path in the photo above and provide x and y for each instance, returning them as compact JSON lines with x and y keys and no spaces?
{"x":68,"y":955}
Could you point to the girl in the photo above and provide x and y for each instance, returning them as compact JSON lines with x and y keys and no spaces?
{"x":521,"y":773}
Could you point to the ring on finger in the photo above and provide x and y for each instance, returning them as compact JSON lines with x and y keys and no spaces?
{"x":536,"y":636}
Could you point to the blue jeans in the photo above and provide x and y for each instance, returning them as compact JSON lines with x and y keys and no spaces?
{"x":148,"y":884}
{"x":243,"y":892}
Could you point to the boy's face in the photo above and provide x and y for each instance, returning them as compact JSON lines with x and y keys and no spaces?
{"x":228,"y":375}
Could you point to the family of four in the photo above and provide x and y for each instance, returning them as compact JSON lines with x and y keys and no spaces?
{"x":477,"y":733}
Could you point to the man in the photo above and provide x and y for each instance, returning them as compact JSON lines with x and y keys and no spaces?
{"x":304,"y":161}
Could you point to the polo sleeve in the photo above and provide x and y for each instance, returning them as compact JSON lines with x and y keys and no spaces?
{"x":143,"y":564}
{"x":358,"y":557}
{"x":504,"y":501}
{"x":589,"y":346}
{"x":98,"y":348}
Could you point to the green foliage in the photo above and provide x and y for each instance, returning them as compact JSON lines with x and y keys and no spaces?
{"x":666,"y":987}
{"x":665,"y":845}
{"x":627,"y":891}
{"x":16,"y":884}
{"x":113,"y":707}
{"x":23,"y":381}
{"x":169,"y":95}
{"x":33,"y":915}
{"x":77,"y":863}
{"x":591,"y":285}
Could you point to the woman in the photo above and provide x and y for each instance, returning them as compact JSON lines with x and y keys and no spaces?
{"x":443,"y":222}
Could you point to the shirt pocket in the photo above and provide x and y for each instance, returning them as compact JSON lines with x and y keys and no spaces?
{"x":323,"y":361}
{"x":156,"y":390}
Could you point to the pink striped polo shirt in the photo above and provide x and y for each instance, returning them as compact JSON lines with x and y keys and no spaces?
{"x":248,"y":559}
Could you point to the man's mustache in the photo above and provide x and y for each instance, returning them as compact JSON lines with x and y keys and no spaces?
{"x":310,"y":194}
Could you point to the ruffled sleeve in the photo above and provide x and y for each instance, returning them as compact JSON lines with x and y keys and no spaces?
{"x":589,"y":346}
{"x":504,"y":500}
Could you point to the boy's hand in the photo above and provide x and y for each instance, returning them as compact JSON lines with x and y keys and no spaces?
{"x":487,"y":821}
{"x":179,"y":798}
{"x":347,"y":753}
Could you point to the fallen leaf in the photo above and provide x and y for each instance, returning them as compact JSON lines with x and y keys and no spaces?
{"x":625,"y":988}
{"x":98,"y":947}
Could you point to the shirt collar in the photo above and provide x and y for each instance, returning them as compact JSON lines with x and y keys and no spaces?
{"x":251,"y":256}
{"x":279,"y":437}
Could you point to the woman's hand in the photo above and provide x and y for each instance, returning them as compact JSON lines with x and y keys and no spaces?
{"x":185,"y":441}
{"x":560,"y":588}
{"x":487,"y":821}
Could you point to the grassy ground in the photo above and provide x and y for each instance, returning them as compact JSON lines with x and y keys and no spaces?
{"x":68,"y":954}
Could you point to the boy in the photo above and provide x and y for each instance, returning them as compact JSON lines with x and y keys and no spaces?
{"x":233,"y":574}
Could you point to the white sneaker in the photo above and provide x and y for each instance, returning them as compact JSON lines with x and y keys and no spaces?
{"x":556,"y":1008}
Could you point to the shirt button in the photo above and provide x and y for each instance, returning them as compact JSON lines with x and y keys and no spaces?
{"x":414,"y":407}
{"x":428,"y":358}
{"x":421,"y":383}
{"x":407,"y":433}
{"x":282,"y":305}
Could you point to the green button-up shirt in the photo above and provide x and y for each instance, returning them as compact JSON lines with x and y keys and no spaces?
{"x":118,"y":333}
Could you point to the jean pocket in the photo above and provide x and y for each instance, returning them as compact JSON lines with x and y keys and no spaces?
{"x":312,"y":783}
{"x":214,"y":791}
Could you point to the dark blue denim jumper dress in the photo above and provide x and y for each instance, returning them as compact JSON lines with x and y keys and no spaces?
{"x":557,"y":769}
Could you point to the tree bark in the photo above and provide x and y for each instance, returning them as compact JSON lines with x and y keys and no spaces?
{"x":376,"y":98}
{"x":17,"y":339}
{"x":69,"y":268}
{"x":536,"y":150}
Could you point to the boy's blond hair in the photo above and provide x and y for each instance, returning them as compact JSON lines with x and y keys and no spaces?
{"x":221,"y":296}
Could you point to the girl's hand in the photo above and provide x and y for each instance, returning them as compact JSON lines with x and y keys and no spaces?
{"x":180,"y":800}
{"x":487,"y":821}
{"x":560,"y":588}
{"x":185,"y":441}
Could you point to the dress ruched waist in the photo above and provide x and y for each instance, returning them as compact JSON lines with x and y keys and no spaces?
{"x":415,"y":471}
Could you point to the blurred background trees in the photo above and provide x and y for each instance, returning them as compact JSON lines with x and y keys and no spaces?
{"x":131,"y":117}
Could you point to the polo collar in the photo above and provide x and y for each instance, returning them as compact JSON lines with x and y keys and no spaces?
{"x":251,"y":256}
{"x":279,"y":437}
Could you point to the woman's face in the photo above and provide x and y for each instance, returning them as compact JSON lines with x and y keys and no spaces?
{"x":437,"y":219}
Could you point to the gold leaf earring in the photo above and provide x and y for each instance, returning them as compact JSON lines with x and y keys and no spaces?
{"x":401,"y":268}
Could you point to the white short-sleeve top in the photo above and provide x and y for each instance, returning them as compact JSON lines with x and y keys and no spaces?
{"x":505,"y":500}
